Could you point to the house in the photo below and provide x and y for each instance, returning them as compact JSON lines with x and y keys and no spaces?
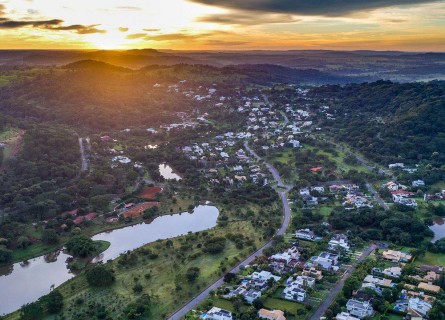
{"x":326,"y":260}
{"x":428,"y":287}
{"x":305,"y":234}
{"x":345,"y":316}
{"x":396,"y":165}
{"x":318,"y":189}
{"x":271,"y":314}
{"x":418,"y":307}
{"x":396,"y":256}
{"x":436,"y":269}
{"x":303,"y":281}
{"x":286,"y":256}
{"x":339,"y":241}
{"x":394,"y":272}
{"x":264,"y":275}
{"x":217,"y":314}
{"x":312,"y":272}
{"x":294,"y":292}
{"x":418,"y":183}
{"x":378,"y":281}
{"x":305,"y":192}
{"x":360,"y":309}
{"x":251,"y":295}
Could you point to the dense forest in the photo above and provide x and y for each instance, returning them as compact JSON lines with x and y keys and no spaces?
{"x":390,"y":122}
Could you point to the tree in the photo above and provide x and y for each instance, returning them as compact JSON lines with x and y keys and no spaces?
{"x":192,"y":274}
{"x":49,"y":236}
{"x":53,"y":302}
{"x":80,"y":246}
{"x":23,"y":242}
{"x":31,"y":311}
{"x":100,"y":276}
{"x":258,"y":304}
{"x":5,"y":254}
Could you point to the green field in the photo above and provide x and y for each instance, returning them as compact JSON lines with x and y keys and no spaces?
{"x":430,"y":258}
{"x":283,"y":305}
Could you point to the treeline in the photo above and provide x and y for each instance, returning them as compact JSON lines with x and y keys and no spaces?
{"x":389,"y":121}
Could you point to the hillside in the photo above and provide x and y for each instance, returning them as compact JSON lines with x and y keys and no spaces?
{"x":390,"y":121}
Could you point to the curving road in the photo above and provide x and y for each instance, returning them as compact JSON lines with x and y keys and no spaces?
{"x":282,"y":192}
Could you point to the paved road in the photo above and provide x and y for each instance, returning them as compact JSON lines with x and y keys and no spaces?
{"x":325,"y":305}
{"x":82,"y":154}
{"x":286,"y":221}
{"x":377,"y":196}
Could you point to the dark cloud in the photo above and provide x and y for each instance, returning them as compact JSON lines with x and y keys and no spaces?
{"x":14,"y":24}
{"x":32,"y":11}
{"x":123,"y":29}
{"x":80,"y":29}
{"x":177,"y":36}
{"x":309,"y":7}
{"x":130,"y":8}
{"x":54,"y":24}
{"x":2,"y":9}
{"x":225,"y":43}
{"x":135,"y":36}
{"x":246,"y":19}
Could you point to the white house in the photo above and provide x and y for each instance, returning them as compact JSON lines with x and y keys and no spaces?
{"x":360,"y":309}
{"x":305,"y":234}
{"x":394,"y":272}
{"x":251,"y":295}
{"x":264,"y":275}
{"x":326,"y":260}
{"x":218,"y":314}
{"x":345,"y":316}
{"x":418,"y":307}
{"x":418,"y":183}
{"x":294,"y":292}
{"x":287,"y":256}
{"x":339,"y":240}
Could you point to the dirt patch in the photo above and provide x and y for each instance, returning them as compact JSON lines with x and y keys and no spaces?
{"x":139,"y":209}
{"x":150,"y":193}
{"x":12,"y":146}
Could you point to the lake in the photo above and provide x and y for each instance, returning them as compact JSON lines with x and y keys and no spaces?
{"x":24,"y":283}
{"x":168,"y":173}
{"x":438,"y":228}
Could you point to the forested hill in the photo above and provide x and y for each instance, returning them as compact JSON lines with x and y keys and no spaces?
{"x":390,"y":122}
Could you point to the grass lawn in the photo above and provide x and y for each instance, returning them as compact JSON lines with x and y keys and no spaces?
{"x":223,"y":304}
{"x":283,"y":305}
{"x":430,"y":258}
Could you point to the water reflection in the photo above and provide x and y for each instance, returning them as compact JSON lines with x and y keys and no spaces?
{"x":167,"y":172}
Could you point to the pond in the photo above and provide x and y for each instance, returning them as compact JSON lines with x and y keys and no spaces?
{"x":22,"y":283}
{"x":438,"y":228}
{"x":168,"y":173}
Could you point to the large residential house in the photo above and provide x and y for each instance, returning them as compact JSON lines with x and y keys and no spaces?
{"x":264,"y":275}
{"x":339,"y":241}
{"x":287,"y":256}
{"x":394,"y":272}
{"x":303,"y":281}
{"x":251,"y":295}
{"x":294,"y":292}
{"x":218,"y":314}
{"x":360,"y":309}
{"x":271,"y":314}
{"x":418,"y":307}
{"x":305,"y":234}
{"x":396,"y":256}
{"x":312,"y":272}
{"x":326,"y":260}
{"x":345,"y":316}
{"x":378,"y":281}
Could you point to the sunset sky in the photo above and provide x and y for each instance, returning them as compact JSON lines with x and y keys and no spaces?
{"x":411,"y":25}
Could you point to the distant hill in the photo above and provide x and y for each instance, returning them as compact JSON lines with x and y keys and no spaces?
{"x":95,"y":65}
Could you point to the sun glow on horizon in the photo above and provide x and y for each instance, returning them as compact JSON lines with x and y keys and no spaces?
{"x":183,"y":24}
